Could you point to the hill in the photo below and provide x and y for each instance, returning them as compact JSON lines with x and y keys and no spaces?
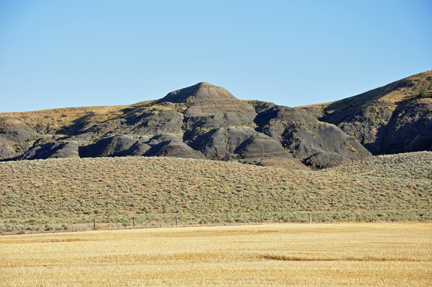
{"x":209,"y":191}
{"x":391,"y":119}
{"x":201,"y":121}
{"x":204,"y":121}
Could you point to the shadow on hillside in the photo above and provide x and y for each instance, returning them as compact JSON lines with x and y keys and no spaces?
{"x":77,"y":126}
{"x":349,"y":108}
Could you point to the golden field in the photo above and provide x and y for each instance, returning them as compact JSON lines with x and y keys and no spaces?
{"x":368,"y":254}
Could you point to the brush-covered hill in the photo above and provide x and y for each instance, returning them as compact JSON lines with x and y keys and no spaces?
{"x":201,"y":122}
{"x":395,"y":118}
{"x":414,"y":165}
{"x":214,"y":190}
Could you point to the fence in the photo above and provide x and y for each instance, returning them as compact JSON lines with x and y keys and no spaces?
{"x":178,"y":220}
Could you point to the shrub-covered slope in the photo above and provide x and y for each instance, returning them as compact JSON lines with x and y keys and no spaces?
{"x":154,"y":185}
{"x":414,"y":165}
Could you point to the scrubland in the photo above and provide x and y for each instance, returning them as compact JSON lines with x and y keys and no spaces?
{"x":344,"y":250}
{"x":340,"y":254}
{"x":413,"y":165}
{"x":169,"y":191}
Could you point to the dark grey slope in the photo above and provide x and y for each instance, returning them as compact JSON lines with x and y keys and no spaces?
{"x":222,"y":143}
{"x":201,"y":93}
{"x":113,"y":146}
{"x":151,"y":119}
{"x":316,"y":143}
{"x":66,"y":150}
{"x":16,"y":137}
{"x":16,"y":131}
{"x":409,"y":129}
{"x":325,"y":160}
{"x":140,"y":121}
{"x":124,"y":145}
{"x":261,"y":146}
{"x":172,"y":146}
{"x":391,"y":119}
{"x":6,"y":150}
{"x":158,"y":121}
{"x":53,"y":150}
{"x":243,"y":144}
{"x":208,"y":106}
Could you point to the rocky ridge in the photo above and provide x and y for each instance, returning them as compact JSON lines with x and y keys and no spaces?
{"x":391,"y":119}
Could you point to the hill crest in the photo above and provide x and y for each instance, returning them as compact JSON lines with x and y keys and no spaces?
{"x":390,"y":119}
{"x":201,"y":92}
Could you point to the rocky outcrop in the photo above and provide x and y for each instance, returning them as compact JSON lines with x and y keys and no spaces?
{"x":6,"y":150}
{"x":16,"y":137}
{"x":162,"y":145}
{"x":53,"y":150}
{"x":113,"y":146}
{"x":391,"y":119}
{"x":325,"y":160}
{"x":16,"y":131}
{"x":171,"y":145}
{"x":243,"y":144}
{"x":208,"y":106}
{"x":309,"y":138}
{"x":163,"y":121}
{"x":409,"y":129}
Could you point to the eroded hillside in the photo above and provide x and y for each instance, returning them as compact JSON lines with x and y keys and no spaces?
{"x":201,"y":121}
{"x":207,"y":122}
{"x":391,"y":119}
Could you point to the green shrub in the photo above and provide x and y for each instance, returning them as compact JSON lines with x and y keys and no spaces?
{"x":424,"y":94}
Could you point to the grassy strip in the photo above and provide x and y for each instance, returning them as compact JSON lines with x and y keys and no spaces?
{"x":167,"y":220}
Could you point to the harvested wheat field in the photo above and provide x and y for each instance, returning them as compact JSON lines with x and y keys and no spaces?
{"x":368,"y":254}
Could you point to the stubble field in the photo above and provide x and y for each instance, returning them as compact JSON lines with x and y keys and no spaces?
{"x":368,"y":254}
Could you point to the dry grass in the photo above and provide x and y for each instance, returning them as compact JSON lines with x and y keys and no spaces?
{"x":278,"y":255}
{"x":389,"y":96}
{"x":57,"y":118}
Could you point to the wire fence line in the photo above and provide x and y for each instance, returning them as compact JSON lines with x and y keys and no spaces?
{"x":83,"y":223}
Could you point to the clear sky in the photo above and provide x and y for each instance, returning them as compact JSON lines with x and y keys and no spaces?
{"x":84,"y":53}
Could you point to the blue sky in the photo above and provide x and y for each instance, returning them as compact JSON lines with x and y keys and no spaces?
{"x":83,"y":53}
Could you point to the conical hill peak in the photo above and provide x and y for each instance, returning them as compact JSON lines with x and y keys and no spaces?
{"x":201,"y":92}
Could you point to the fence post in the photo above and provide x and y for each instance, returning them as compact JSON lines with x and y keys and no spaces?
{"x":133,"y":222}
{"x":94,"y":223}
